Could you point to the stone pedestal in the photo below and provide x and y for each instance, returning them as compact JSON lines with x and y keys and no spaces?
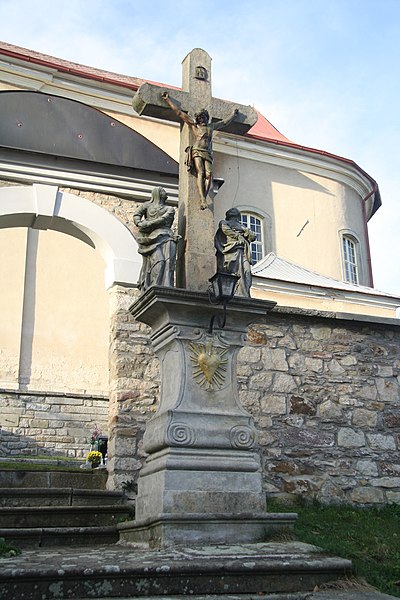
{"x":201,"y":482}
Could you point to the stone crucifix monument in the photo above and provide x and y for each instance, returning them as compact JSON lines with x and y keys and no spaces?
{"x":200,"y":115}
{"x":201,"y":482}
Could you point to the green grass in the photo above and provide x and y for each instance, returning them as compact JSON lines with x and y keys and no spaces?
{"x":23,"y":466}
{"x":369,"y":537}
{"x":43,"y":457}
{"x":17,"y":464}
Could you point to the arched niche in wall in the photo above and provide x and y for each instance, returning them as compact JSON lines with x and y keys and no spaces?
{"x":46,"y":207}
{"x":55,"y":306}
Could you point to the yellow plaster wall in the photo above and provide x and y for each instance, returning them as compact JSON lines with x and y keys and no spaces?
{"x":309,"y":219}
{"x":6,"y":87}
{"x":70,"y":348}
{"x":307,"y":211}
{"x":164,"y":135}
{"x":65,"y":334}
{"x":12,"y":270}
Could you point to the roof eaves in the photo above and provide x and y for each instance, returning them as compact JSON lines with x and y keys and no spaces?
{"x":349,"y":161}
{"x":272,"y":267}
{"x":69,"y":67}
{"x":134,"y":83}
{"x":325,"y":290}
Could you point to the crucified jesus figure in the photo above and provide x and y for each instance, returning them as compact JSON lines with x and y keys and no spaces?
{"x":200,"y":156}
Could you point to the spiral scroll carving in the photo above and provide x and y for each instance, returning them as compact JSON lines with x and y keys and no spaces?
{"x":242,"y":437}
{"x":180,"y":434}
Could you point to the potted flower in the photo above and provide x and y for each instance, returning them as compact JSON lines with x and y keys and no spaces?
{"x":93,"y":441}
{"x":94,"y":458}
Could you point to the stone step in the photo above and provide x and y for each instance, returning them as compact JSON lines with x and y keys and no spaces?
{"x":301,"y":596}
{"x":44,"y":461}
{"x":13,"y":497}
{"x":317,"y":595}
{"x":43,"y":537}
{"x":60,"y":516}
{"x":41,"y":476}
{"x":125,"y":571}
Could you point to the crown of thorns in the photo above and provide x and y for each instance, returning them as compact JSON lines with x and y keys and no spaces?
{"x":202,"y":112}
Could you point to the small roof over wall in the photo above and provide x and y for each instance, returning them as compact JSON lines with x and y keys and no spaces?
{"x":274,"y":267}
{"x":283,"y":277}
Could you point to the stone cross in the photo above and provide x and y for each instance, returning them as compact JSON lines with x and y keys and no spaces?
{"x":196,"y":261}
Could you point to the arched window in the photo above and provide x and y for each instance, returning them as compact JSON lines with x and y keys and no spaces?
{"x":350,"y":259}
{"x":255,"y":224}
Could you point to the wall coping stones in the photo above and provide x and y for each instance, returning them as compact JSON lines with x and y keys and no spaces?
{"x":53,"y":394}
{"x":337,"y":316}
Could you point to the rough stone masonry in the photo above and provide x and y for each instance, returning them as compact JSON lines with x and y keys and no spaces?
{"x":324,"y":393}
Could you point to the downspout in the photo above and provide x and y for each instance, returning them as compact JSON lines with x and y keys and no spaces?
{"x":363,"y":201}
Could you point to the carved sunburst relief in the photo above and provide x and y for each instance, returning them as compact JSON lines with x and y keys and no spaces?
{"x":209,"y":364}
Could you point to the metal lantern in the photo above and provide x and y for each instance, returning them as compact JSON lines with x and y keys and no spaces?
{"x":222,"y":287}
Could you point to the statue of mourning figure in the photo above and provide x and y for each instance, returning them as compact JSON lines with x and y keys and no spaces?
{"x":233,"y":250}
{"x":156,"y":240}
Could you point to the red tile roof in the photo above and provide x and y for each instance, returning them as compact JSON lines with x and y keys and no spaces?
{"x":66,"y":66}
{"x":263,"y":130}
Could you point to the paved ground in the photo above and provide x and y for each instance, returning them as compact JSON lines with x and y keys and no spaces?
{"x":322,"y":595}
{"x":118,"y":558}
{"x":326,"y":595}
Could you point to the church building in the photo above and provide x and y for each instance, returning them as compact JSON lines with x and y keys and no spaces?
{"x":321,"y":377}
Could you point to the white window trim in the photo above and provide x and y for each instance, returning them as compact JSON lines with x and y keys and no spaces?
{"x":266,"y":226}
{"x":353,"y":237}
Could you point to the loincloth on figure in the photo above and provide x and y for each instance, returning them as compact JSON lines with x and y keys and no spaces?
{"x":191,"y":153}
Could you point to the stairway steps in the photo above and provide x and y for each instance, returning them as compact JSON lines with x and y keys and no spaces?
{"x":123,"y":571}
{"x":30,"y":475}
{"x":68,"y":535}
{"x":43,"y":537}
{"x":14,"y":497}
{"x":53,"y":505}
{"x":301,"y":596}
{"x":58,"y":516}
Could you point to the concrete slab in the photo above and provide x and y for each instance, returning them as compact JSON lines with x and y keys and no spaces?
{"x":132,"y":571}
{"x":350,"y":595}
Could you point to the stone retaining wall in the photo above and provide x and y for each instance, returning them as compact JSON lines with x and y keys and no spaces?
{"x":134,"y":389}
{"x":34,"y":423}
{"x":324,"y":393}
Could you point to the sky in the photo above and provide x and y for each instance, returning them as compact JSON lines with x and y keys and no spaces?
{"x":324,"y":72}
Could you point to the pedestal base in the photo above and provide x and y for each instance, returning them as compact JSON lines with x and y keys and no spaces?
{"x":202,"y":481}
{"x":185,"y":481}
{"x":199,"y":529}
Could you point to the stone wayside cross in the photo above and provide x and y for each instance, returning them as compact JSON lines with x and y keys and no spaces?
{"x":201,"y":482}
{"x":196,"y":262}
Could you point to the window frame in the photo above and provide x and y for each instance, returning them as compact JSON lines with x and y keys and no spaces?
{"x":351,"y":265}
{"x":257,"y":246}
{"x":265,"y":229}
